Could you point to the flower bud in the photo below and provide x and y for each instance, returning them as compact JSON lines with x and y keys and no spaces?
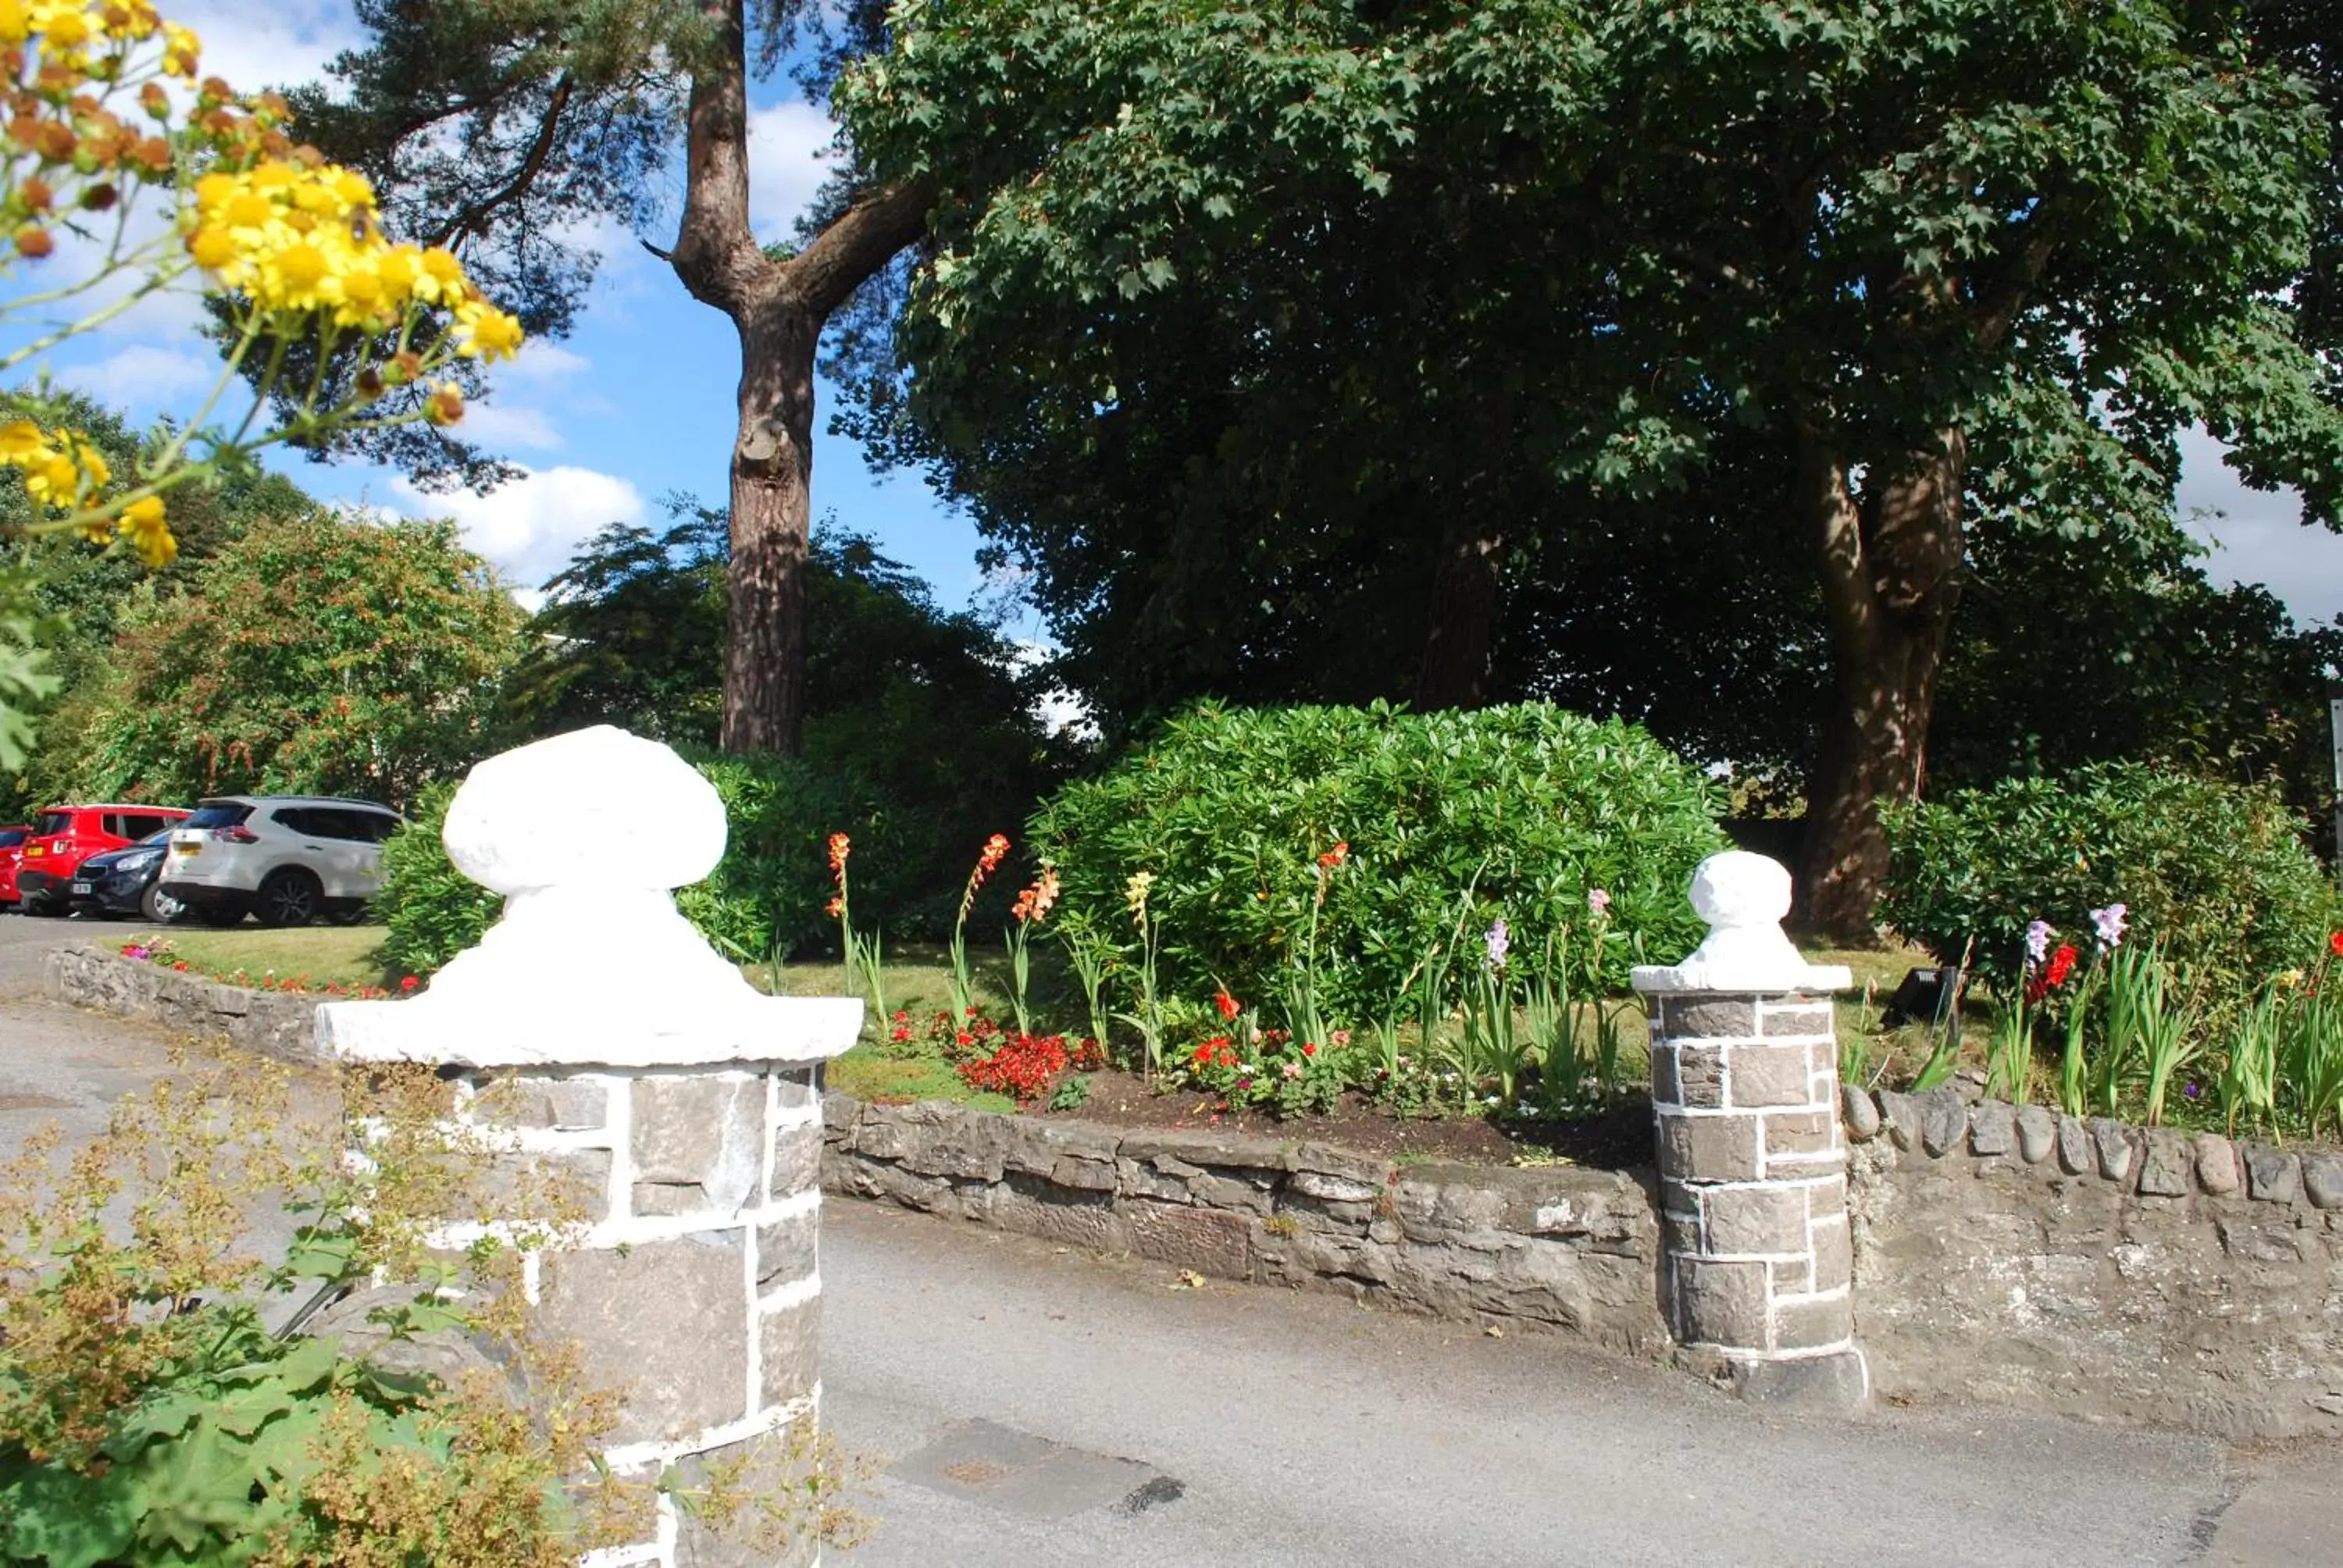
{"x":34,"y":242}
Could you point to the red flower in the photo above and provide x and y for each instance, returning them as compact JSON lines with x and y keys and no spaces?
{"x":840,"y":846}
{"x":2335,"y":943}
{"x":1336,"y":856}
{"x":1227,"y":1004}
{"x":409,"y":983}
{"x":835,"y":908}
{"x":181,"y":965}
{"x":902,"y":1034}
{"x":1309,"y":1051}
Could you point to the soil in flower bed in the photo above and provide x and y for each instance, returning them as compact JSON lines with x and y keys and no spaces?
{"x":1615,"y":1139}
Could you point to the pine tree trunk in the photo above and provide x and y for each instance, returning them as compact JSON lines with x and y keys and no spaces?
{"x":1891,"y":577}
{"x":1466,"y":591}
{"x":772,"y":516}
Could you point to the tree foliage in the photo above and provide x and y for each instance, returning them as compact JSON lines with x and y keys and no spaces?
{"x":1225,"y":299}
{"x":319,"y":654}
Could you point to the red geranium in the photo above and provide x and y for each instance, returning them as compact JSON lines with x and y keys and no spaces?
{"x":2335,"y":943}
{"x":1227,"y":1004}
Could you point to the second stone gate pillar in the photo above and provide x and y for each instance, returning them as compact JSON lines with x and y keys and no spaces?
{"x":1757,"y":1261}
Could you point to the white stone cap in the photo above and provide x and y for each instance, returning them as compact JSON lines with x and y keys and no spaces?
{"x":590,"y":964}
{"x":1743,"y":897}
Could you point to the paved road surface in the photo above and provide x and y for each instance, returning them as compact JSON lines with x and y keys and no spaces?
{"x":1041,"y":1407}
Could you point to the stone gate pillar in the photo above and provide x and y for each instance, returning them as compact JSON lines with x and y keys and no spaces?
{"x":1756,"y":1261}
{"x":635,"y":1064}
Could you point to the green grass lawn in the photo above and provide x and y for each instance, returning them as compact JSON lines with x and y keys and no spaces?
{"x":318,"y":956}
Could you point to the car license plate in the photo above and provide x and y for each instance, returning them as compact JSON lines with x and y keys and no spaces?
{"x":34,"y":853}
{"x":185,"y":849}
{"x":83,"y":887}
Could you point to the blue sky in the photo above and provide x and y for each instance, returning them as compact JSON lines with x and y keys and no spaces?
{"x":634,"y":404}
{"x":638,"y":401}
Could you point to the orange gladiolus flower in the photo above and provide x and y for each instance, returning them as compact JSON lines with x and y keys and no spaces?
{"x":840,"y":846}
{"x":1336,"y":856}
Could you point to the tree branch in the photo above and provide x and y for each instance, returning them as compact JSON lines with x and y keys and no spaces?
{"x":857,"y":243}
{"x":716,"y":252}
{"x":471,"y":219}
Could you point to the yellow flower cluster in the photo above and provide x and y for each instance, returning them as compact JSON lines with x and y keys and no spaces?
{"x":303,"y":239}
{"x":71,"y":31}
{"x":64,"y":471}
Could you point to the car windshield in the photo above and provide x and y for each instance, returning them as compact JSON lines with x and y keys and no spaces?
{"x":159,"y":835}
{"x":53,"y":823}
{"x":12,"y":837}
{"x":217,"y":814}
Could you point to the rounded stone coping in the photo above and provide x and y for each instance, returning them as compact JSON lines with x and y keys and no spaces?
{"x":1763,"y":980}
{"x":757,"y":1029}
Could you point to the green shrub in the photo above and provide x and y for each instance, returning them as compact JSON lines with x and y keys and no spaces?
{"x":2218,"y":873}
{"x":1527,"y":807}
{"x":431,"y":911}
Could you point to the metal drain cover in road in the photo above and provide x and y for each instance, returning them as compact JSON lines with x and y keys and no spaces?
{"x":1021,"y":1474}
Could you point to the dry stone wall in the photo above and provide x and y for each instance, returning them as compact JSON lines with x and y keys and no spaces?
{"x":2008,"y":1255}
{"x":1571,"y":1248}
{"x":273,"y":1024}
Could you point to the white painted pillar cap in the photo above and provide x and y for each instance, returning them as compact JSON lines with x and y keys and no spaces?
{"x":586,"y":834}
{"x":1744,"y":898}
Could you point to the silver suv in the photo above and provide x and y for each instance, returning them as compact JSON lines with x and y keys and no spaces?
{"x":285,"y":858}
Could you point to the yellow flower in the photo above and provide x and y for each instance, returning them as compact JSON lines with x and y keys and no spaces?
{"x":1135,"y":896}
{"x":213,"y":249}
{"x":142,"y":525}
{"x":54,"y":480}
{"x":14,"y":27}
{"x":484,"y":332}
{"x":94,"y":465}
{"x":180,"y":50}
{"x":21,"y":441}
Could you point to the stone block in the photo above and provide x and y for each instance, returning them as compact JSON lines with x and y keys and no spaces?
{"x":2167,"y":1162}
{"x":572,"y":1185}
{"x":1992,"y":1128}
{"x":1859,"y":1113}
{"x":708,"y":1128}
{"x":666,"y":1200}
{"x":573,"y":1104}
{"x":1334,"y":1188}
{"x":2075,"y":1156}
{"x":969,"y":1146}
{"x":2217,"y":1165}
{"x":1766,"y":1075}
{"x":1665,"y":1090}
{"x":1708,"y":1017}
{"x":1944,"y":1122}
{"x":2272,"y":1175}
{"x":1721,"y":1303}
{"x":840,"y":1112}
{"x":789,"y":1351}
{"x":767,"y":1470}
{"x":1200,"y":1238}
{"x":666,"y":1323}
{"x":2322,"y":1177}
{"x":1831,"y":1384}
{"x":1699,"y":1074}
{"x":1715,"y":1148}
{"x":1229,"y":1192}
{"x":1075,"y":1218}
{"x":788,"y":1250}
{"x":1035,"y":1146}
{"x":1833,"y":1254}
{"x":1134,"y":1180}
{"x":1902,"y":1116}
{"x":1800,"y":1136}
{"x":1811,"y":1322}
{"x":2111,"y":1142}
{"x":1083,"y":1175}
{"x":1201,"y":1146}
{"x":2037,"y":1133}
{"x":797,"y":1160}
{"x":1761,"y":1220}
{"x":1798,"y":1019}
{"x":794,"y":1088}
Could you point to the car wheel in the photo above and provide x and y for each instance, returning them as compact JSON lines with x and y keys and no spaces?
{"x":43,"y":908}
{"x":214,"y":915}
{"x":288,"y":898}
{"x":159,"y":906}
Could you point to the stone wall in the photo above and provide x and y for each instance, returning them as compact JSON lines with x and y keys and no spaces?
{"x":2001,"y":1256}
{"x":271,"y":1023}
{"x":2012,"y":1256}
{"x":1571,"y":1248}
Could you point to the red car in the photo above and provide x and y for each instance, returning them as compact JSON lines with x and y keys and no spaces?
{"x":11,"y":847}
{"x":65,"y":835}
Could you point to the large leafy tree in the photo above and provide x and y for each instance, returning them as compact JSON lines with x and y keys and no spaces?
{"x":315,"y":653}
{"x":1457,"y":276}
{"x":504,"y":131}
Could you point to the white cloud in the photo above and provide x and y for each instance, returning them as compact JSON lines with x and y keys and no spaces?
{"x":789,"y":158}
{"x":254,"y":46}
{"x":142,"y":377}
{"x":528,"y":528}
{"x":2258,"y":535}
{"x":510,"y":426}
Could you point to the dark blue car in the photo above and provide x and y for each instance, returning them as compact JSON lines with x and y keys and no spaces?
{"x":126,"y":882}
